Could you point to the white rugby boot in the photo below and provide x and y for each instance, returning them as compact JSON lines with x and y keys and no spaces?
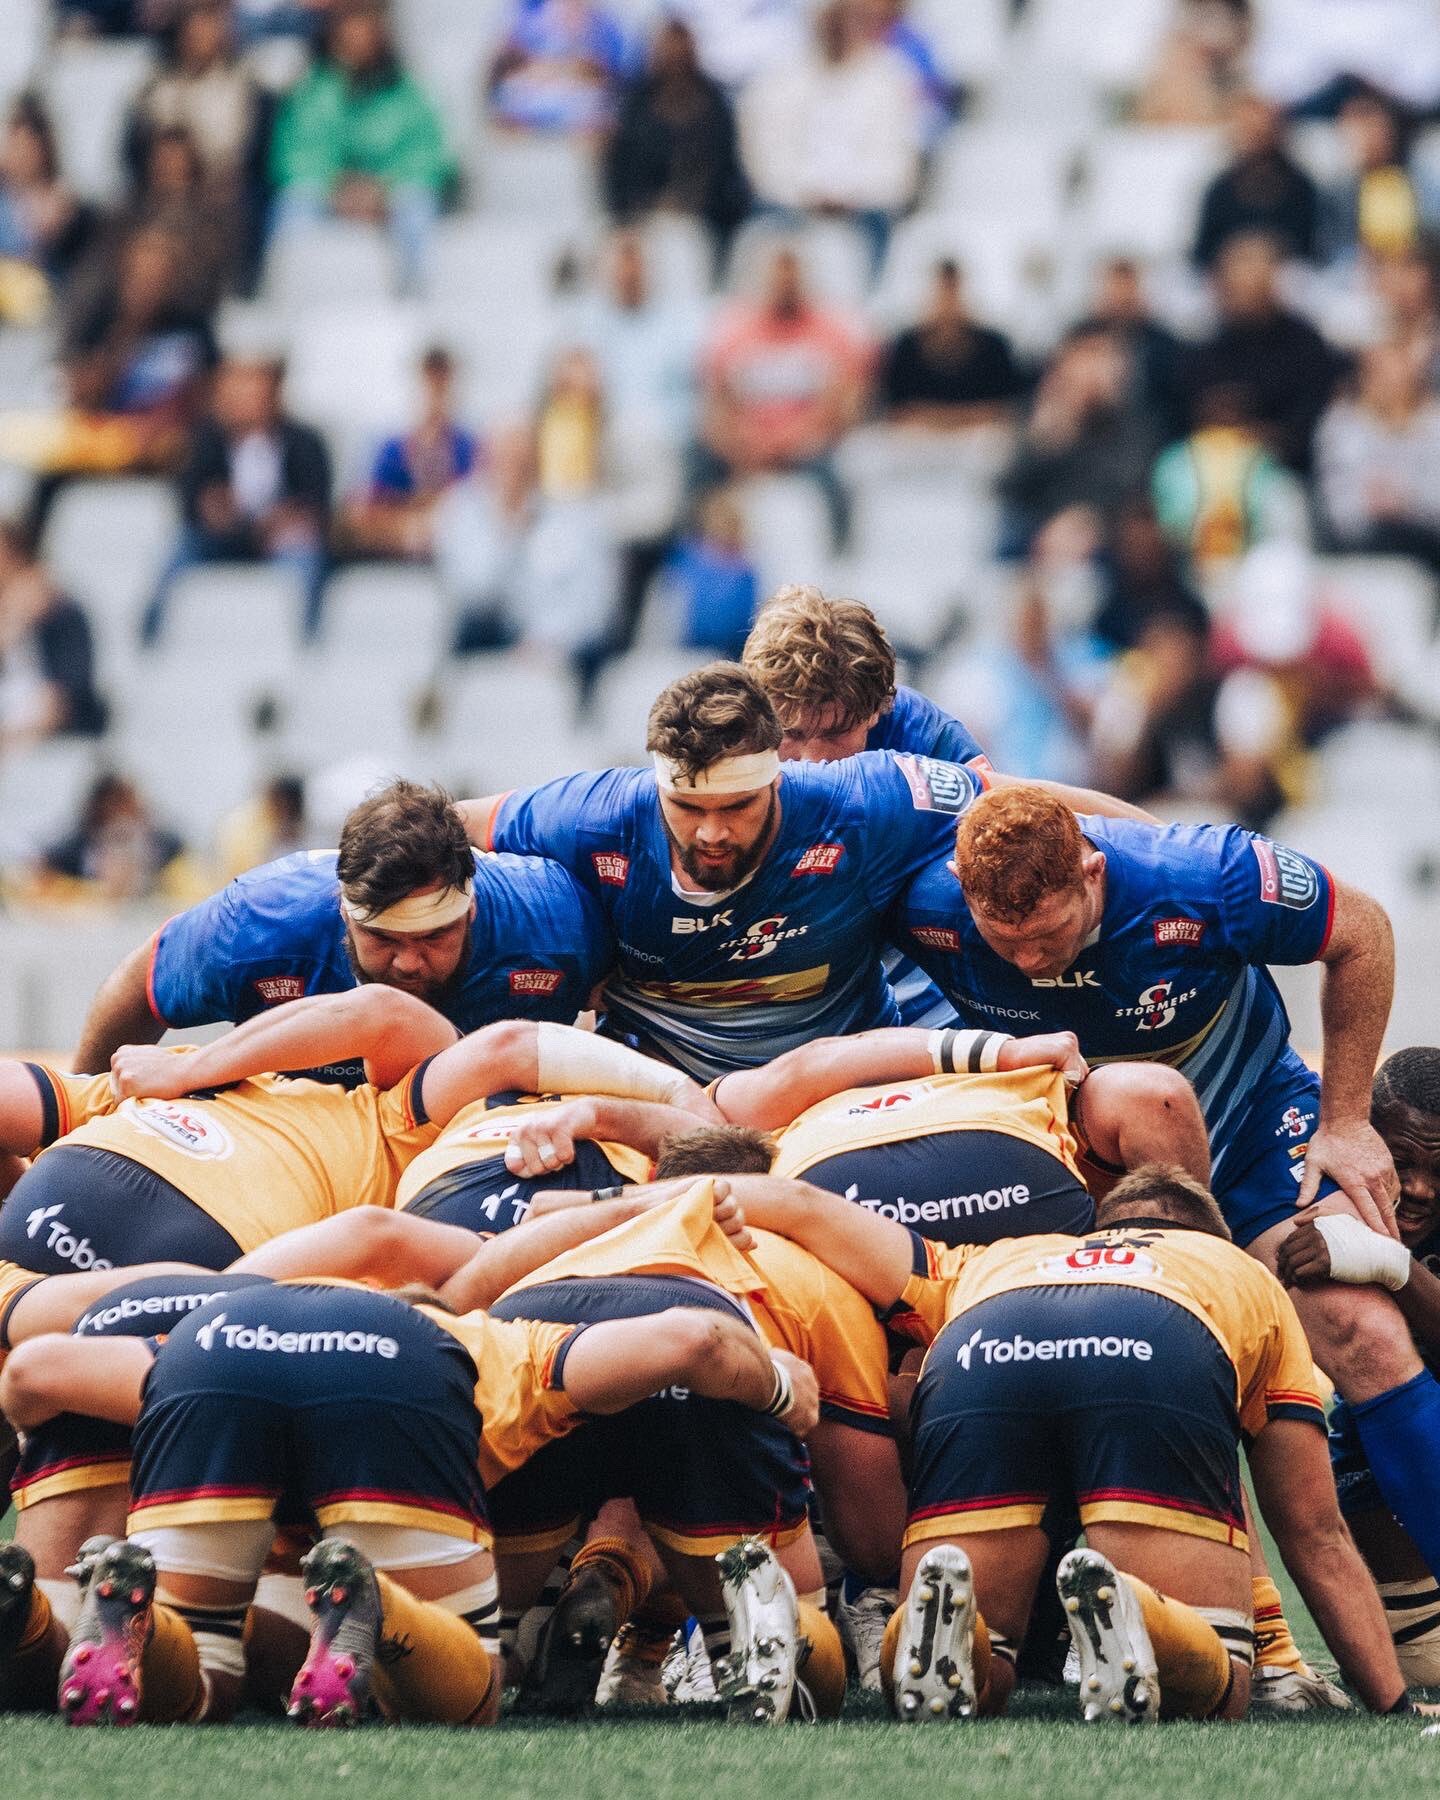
{"x":862,"y":1626}
{"x":1118,"y":1677}
{"x":934,"y":1668}
{"x":757,"y":1678}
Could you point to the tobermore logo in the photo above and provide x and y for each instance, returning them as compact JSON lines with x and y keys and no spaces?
{"x":535,"y":981}
{"x":819,"y":859}
{"x":48,"y":1224}
{"x":1178,"y":931}
{"x":954,"y":1206}
{"x":937,"y":937}
{"x":1065,"y":1349}
{"x":152,"y":1306}
{"x":274,"y":989}
{"x":611,"y":868}
{"x":295,"y":1343}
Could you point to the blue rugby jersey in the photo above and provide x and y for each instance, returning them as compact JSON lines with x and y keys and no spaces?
{"x":1176,"y":970}
{"x":729,"y":981}
{"x":538,"y":946}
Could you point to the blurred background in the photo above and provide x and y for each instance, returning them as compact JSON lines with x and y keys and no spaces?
{"x":419,"y":388}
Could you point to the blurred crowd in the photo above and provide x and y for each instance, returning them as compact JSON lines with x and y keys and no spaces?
{"x":1157,"y":458}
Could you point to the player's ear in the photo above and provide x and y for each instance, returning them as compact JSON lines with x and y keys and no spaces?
{"x":950,"y":865}
{"x":1092,"y":865}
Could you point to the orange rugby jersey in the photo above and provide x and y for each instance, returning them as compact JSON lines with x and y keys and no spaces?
{"x":260,"y":1157}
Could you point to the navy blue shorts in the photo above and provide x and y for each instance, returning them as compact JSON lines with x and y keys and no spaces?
{"x":1112,"y":1398}
{"x":78,"y":1207}
{"x":1259,"y":1168}
{"x":961,"y":1187}
{"x":332,"y":1404}
{"x":702,"y":1473}
{"x":71,"y":1453}
{"x":484,"y":1196}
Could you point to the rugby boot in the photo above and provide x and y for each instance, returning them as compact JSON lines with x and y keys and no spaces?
{"x":934,"y":1669}
{"x":862,"y":1625}
{"x":757,"y":1678}
{"x":565,"y":1675}
{"x":1295,"y":1690}
{"x":1118,"y":1677}
{"x":632,"y":1675}
{"x":100,"y":1675}
{"x":333,"y":1686}
{"x":687,"y":1673}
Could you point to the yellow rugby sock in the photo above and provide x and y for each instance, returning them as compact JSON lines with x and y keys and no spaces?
{"x":446,"y":1676}
{"x":623,"y":1564}
{"x":822,"y":1661}
{"x":1275,"y":1647}
{"x":650,"y":1630}
{"x":172,"y":1687}
{"x":35,"y":1662}
{"x":1192,"y":1662}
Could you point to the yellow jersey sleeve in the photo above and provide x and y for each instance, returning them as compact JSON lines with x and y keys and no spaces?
{"x":403,"y":1120}
{"x":68,"y":1101}
{"x":821,"y":1318}
{"x":15,"y":1282}
{"x":519,"y":1385}
{"x":1281,"y":1384}
{"x":924,"y":1307}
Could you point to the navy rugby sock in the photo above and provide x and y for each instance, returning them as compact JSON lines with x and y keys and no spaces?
{"x":1400,"y":1432}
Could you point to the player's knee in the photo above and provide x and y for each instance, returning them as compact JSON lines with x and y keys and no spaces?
{"x":1359,"y":1339}
{"x":26,"y":1386}
{"x":375,"y":1230}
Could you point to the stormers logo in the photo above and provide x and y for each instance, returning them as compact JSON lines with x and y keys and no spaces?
{"x":762,"y":938}
{"x":1293,"y":1123}
{"x":1158,"y":1006}
{"x":184,"y":1128}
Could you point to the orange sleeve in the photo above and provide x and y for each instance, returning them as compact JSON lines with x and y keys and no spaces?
{"x":69,"y":1101}
{"x":923,"y":1309}
{"x":849,"y":1356}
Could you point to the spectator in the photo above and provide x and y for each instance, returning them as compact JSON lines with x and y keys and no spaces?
{"x":674,"y":147}
{"x":395,"y":517}
{"x":172,"y":196}
{"x":1262,"y":189}
{"x":269,"y":825}
{"x":118,"y":853}
{"x":135,"y":361}
{"x":1376,"y":206}
{"x":202,"y":87}
{"x":360,"y":139}
{"x":47,"y":656}
{"x":255,"y":487}
{"x":1278,"y":361}
{"x":783,"y":381}
{"x":1199,"y":67}
{"x":646,"y":349}
{"x":1220,"y":490}
{"x":1085,"y":445}
{"x":710,"y":583}
{"x":1142,"y":579}
{"x":559,"y":68}
{"x":1121,"y":306}
{"x":837,"y":131}
{"x":1405,"y":290}
{"x":1377,"y":456}
{"x":885,"y":23}
{"x":1308,"y":57}
{"x":43,"y":228}
{"x":948,"y":372}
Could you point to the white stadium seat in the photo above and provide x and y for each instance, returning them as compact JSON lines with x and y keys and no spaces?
{"x":389,"y":615}
{"x":1143,"y":189}
{"x":509,"y":720}
{"x":89,"y":88}
{"x":626,"y":692}
{"x":787,"y":529}
{"x":543,"y":178}
{"x":329,"y":262}
{"x":235,"y":627}
{"x":834,"y":255}
{"x":354,"y":366}
{"x":41,"y":787}
{"x":1391,"y":602}
{"x":107,"y":543}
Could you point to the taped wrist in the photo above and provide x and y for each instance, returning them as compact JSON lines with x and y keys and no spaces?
{"x":783,"y":1398}
{"x":1360,"y":1255}
{"x":966,"y":1052}
{"x":578,"y":1062}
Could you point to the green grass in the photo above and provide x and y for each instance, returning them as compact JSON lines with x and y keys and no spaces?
{"x":1039,"y":1753}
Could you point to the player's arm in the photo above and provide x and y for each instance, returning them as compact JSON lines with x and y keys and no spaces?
{"x":1356,"y":989}
{"x":1290,"y":1467}
{"x":620,"y":1362}
{"x":1341,"y":1248}
{"x":769,"y":1098}
{"x":22,"y":1110}
{"x":494,"y":1266}
{"x":392,"y":1031}
{"x":102,"y":1378}
{"x":368,"y":1243}
{"x":547,"y":1142}
{"x":120,"y":1013}
{"x":1078,"y":799}
{"x":552,"y":1059}
{"x":478,"y":817}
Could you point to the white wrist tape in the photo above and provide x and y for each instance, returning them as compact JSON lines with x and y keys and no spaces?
{"x":967,"y":1052}
{"x":783,"y":1398}
{"x":579,"y":1062}
{"x":1358,"y":1254}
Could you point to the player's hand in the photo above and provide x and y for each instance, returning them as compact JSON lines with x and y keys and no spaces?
{"x":541,"y":1146}
{"x":1355,"y":1158}
{"x":1304,"y":1257}
{"x":1048,"y":1049}
{"x":804,"y":1414}
{"x":730,"y":1218}
{"x":145,"y":1072}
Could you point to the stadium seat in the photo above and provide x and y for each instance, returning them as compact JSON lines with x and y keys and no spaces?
{"x":625,"y":694}
{"x":1392,"y":602}
{"x":328,"y":263}
{"x":1143,"y":188}
{"x":107,"y":543}
{"x":509,"y":720}
{"x":89,"y":88}
{"x":787,"y":529}
{"x":1390,"y":768}
{"x":389,"y":615}
{"x":342,"y":705}
{"x":41,"y":787}
{"x":354,"y":366}
{"x":542,"y":178}
{"x":836,"y":260}
{"x":21,"y":43}
{"x":915,"y":598}
{"x":1015,"y":176}
{"x":234,"y":627}
{"x":969,"y":37}
{"x":1110,"y":46}
{"x":680,"y":256}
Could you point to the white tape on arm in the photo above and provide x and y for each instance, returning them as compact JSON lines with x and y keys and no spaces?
{"x":1360,"y":1255}
{"x":578,"y":1062}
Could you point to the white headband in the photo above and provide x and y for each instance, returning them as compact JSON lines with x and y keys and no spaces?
{"x":414,"y":912}
{"x":745,"y":774}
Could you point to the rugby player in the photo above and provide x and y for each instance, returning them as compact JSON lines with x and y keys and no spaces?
{"x":204,"y":1179}
{"x":1152,"y":941}
{"x":1405,"y":1110}
{"x":745,"y":903}
{"x":379,"y":1418}
{"x":405,"y":902}
{"x":1157,"y":1483}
